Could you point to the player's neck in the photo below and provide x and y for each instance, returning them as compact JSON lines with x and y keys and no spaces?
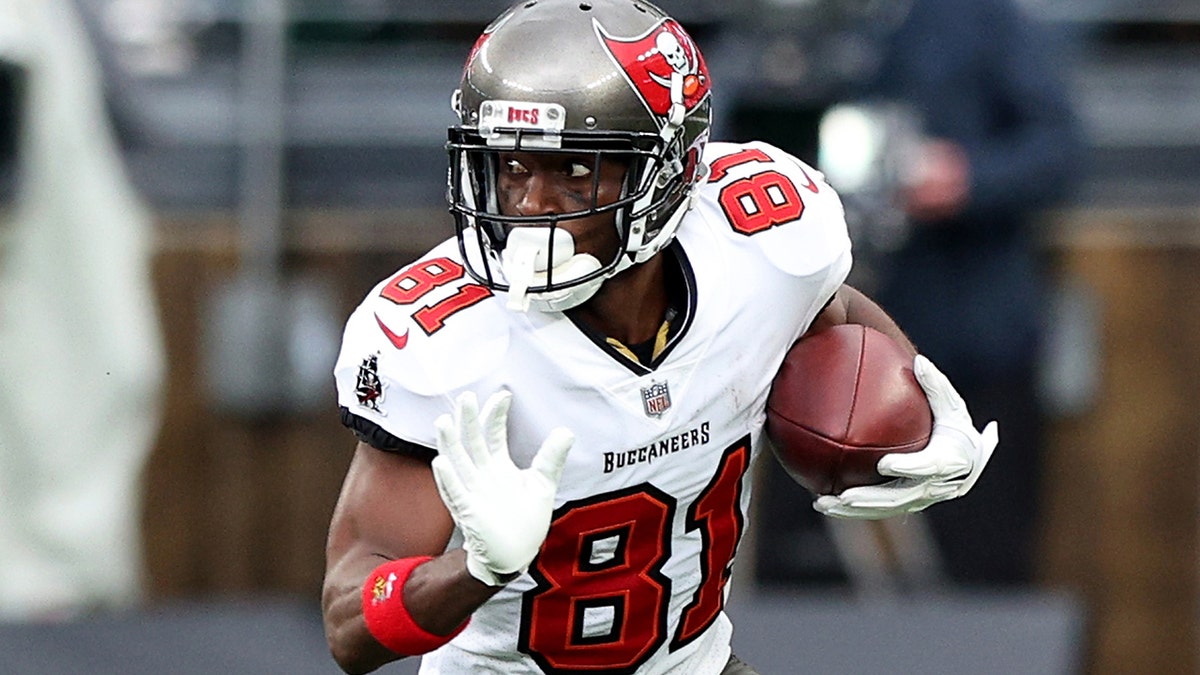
{"x":631,"y":306}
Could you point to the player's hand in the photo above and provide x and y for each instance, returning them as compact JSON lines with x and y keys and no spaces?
{"x":946,"y":468}
{"x":503,"y":511}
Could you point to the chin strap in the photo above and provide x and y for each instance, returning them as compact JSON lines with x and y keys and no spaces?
{"x":638,"y":249}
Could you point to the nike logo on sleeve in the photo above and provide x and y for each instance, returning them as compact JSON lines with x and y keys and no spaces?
{"x":397,"y":340}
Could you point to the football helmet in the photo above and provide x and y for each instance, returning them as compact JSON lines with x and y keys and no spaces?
{"x":614,"y":79}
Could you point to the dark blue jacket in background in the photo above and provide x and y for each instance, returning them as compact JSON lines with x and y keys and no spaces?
{"x":980,"y":72}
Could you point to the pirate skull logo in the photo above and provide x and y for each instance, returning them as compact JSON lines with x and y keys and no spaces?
{"x":650,"y":61}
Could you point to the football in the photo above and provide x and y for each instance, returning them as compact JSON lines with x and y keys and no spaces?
{"x":843,"y":398}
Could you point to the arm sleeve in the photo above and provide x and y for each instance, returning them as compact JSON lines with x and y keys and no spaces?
{"x":377,"y":437}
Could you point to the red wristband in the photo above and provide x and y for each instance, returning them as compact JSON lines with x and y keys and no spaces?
{"x":388,"y":619}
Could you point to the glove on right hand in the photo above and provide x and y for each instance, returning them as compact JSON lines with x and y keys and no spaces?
{"x":503,"y":511}
{"x":946,"y":468}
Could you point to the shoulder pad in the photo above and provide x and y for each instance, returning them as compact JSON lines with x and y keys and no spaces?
{"x":420,"y":335}
{"x":771,"y":199}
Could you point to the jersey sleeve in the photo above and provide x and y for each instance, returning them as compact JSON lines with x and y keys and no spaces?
{"x":418,"y":339}
{"x":773,"y":203}
{"x":379,"y":438}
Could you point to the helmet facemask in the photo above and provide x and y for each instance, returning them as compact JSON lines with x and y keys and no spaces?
{"x":533,"y":257}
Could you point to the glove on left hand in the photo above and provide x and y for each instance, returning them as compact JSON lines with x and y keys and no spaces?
{"x":946,"y":468}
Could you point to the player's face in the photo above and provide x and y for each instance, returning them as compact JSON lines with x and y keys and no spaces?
{"x":533,"y":184}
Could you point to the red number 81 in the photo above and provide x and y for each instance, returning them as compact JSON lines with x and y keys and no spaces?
{"x":761,"y":201}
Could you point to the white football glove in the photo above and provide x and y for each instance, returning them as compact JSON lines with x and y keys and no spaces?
{"x":946,"y":468}
{"x":503,"y":512}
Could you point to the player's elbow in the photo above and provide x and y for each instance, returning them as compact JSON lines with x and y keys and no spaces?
{"x":354,"y":652}
{"x":352,"y":661}
{"x":347,"y":659}
{"x":346,"y":664}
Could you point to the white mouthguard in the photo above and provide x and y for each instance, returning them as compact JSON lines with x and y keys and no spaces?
{"x":524,"y":261}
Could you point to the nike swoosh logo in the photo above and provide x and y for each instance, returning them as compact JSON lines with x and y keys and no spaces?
{"x":398,"y":341}
{"x":812,"y":186}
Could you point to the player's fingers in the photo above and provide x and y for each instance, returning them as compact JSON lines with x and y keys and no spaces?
{"x":451,"y":448}
{"x":893,"y":494}
{"x":449,"y":486}
{"x":936,"y":461}
{"x":987,"y":441}
{"x":495,"y":423}
{"x":552,"y":456}
{"x":860,"y":501}
{"x":469,"y":430}
{"x":884,"y":495}
{"x":834,"y":507}
{"x":989,"y":438}
{"x":875,"y":502}
{"x":947,"y":406}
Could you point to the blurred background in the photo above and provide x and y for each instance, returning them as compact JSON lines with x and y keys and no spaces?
{"x":219,"y":182}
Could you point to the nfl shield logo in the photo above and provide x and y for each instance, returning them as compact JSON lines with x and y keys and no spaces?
{"x":656,"y":399}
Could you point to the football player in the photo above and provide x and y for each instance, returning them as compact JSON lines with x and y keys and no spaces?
{"x":557,"y":408}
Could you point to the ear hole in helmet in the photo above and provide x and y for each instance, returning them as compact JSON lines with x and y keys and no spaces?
{"x":585,"y":6}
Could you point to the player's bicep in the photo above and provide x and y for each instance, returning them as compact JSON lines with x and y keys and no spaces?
{"x":850,"y":305}
{"x":832,"y":314}
{"x":389,"y":508}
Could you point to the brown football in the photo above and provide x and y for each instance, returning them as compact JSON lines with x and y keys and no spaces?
{"x":843,"y":398}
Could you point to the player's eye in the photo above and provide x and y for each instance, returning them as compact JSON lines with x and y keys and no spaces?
{"x":578,"y":170}
{"x":512,"y":166}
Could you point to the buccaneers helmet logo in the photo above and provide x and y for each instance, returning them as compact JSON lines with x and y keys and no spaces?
{"x":650,"y":60}
{"x":485,"y":36}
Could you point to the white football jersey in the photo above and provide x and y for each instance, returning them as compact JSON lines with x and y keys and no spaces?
{"x":654,"y":497}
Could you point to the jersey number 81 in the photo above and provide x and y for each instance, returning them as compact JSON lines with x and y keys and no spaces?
{"x":601,"y":598}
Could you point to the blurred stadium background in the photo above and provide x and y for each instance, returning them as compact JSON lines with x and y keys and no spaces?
{"x":298,"y":146}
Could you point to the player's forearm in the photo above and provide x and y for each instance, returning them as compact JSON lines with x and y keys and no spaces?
{"x":439,"y":595}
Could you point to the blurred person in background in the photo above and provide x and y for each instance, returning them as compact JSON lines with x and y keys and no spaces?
{"x":81,"y":359}
{"x":999,"y":145}
{"x":973,"y":136}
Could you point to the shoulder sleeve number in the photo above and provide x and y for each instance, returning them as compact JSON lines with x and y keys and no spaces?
{"x":761,"y":200}
{"x":412,"y":284}
{"x":601,"y":600}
